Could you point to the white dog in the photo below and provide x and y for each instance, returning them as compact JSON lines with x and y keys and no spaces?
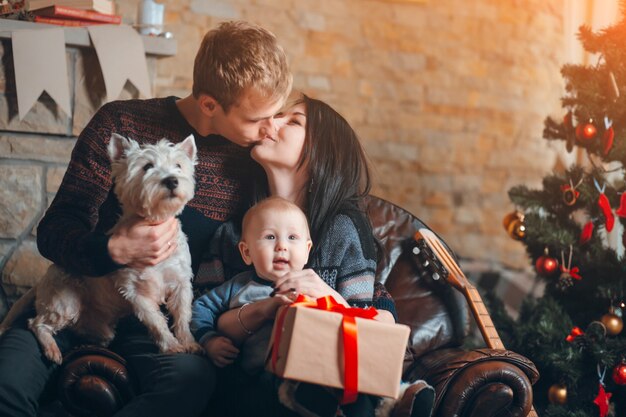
{"x":153,"y":182}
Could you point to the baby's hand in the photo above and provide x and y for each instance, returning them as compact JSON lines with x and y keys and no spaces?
{"x":221,"y":350}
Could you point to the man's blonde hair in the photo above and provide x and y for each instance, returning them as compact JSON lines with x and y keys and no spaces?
{"x":274,"y":204}
{"x":236,"y":56}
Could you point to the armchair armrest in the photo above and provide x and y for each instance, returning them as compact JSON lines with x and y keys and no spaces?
{"x":478,"y":383}
{"x":94,"y":382}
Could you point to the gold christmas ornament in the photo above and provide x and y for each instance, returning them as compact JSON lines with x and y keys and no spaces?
{"x":557,"y":394}
{"x":509,"y":218}
{"x":514,"y":225}
{"x":613,"y":323}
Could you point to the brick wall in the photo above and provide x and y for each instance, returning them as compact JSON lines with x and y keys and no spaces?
{"x":448,"y":97}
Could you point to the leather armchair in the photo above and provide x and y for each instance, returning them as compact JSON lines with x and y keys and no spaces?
{"x":468,"y":383}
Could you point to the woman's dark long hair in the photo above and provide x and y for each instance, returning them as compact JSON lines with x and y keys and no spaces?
{"x":339,"y":175}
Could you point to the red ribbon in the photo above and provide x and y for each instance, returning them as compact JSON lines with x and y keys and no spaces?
{"x":350,"y":341}
{"x":574,"y":334}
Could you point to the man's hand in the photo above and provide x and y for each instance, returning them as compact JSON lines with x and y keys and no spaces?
{"x":139,"y":243}
{"x":221,"y":350}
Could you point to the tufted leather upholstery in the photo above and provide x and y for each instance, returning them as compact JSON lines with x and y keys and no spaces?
{"x":477,"y":383}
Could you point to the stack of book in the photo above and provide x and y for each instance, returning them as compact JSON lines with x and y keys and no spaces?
{"x":74,"y":12}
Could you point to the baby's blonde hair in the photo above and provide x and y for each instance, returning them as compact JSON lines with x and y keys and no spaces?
{"x":272,"y":203}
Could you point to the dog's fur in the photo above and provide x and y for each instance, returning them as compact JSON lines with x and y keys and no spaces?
{"x":152,"y":182}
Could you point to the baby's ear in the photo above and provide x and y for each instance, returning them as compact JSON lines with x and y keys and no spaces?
{"x":309,"y":245}
{"x":245,"y":252}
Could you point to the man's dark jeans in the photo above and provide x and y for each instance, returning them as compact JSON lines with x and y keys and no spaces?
{"x":167,"y":385}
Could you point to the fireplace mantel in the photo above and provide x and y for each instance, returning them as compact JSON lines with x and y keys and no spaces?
{"x":79,"y":37}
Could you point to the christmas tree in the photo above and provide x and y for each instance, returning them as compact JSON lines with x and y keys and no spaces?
{"x":573,"y":231}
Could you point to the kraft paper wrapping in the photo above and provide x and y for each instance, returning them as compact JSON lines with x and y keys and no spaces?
{"x":311,"y":350}
{"x":40,"y":65}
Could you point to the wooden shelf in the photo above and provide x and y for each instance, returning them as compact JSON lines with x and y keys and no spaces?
{"x":78,"y":36}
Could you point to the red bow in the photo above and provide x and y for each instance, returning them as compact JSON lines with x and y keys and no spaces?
{"x":350,"y":341}
{"x":574,"y":272}
{"x":574,"y":334}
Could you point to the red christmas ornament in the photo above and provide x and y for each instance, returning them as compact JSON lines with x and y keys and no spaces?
{"x":619,"y":374}
{"x":546,"y":265}
{"x":586,"y":132}
{"x":602,"y":400}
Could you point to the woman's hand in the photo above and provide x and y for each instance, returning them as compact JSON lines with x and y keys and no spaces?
{"x":306,"y":282}
{"x":269,"y":306}
{"x":238,"y":322}
{"x":221,"y":351}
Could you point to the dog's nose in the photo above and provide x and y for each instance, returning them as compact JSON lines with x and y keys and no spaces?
{"x":171,"y":183}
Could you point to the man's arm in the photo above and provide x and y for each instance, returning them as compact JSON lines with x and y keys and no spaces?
{"x":69,"y":235}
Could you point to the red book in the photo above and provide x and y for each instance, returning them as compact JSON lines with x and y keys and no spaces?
{"x":65,"y":22}
{"x":65,"y":12}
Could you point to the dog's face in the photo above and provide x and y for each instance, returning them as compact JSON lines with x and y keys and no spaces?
{"x":153,"y":181}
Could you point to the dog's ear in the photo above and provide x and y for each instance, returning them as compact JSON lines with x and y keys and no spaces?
{"x":189,"y":147}
{"x":117,"y":147}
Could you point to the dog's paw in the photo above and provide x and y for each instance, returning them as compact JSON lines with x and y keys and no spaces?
{"x":194,"y":348}
{"x":172,"y":347}
{"x":53,"y":353}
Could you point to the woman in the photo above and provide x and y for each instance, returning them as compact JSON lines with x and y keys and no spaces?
{"x":314,"y":160}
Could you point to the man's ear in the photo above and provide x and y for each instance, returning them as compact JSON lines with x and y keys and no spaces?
{"x":208,"y":104}
{"x":245,"y":252}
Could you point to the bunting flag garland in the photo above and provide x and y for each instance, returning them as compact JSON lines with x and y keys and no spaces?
{"x":122,"y":58}
{"x":40,"y":65}
{"x":39,"y":59}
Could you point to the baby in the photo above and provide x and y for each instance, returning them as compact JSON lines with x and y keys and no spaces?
{"x":275,"y":240}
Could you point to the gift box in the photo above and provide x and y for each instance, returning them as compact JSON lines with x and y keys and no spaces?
{"x":313,"y":344}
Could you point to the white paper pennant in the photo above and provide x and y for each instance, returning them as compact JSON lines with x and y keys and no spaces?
{"x":40,"y":65}
{"x":122,"y":57}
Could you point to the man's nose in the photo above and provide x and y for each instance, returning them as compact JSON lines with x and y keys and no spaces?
{"x":270,"y":127}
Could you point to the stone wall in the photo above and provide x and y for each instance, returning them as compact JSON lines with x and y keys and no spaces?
{"x":448,"y":97}
{"x":34,"y":153}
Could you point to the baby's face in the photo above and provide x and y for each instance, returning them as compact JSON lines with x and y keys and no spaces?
{"x":276,"y":242}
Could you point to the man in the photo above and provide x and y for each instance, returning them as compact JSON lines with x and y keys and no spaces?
{"x":240,"y":80}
